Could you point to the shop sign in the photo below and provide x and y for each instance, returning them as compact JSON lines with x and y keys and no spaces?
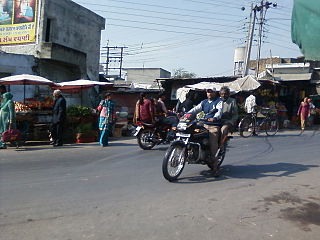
{"x":18,"y":21}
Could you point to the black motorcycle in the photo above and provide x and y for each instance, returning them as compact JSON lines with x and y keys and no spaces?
{"x":149,"y":135}
{"x":192,"y":146}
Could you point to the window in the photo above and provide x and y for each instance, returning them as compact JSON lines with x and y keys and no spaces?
{"x":48,"y":30}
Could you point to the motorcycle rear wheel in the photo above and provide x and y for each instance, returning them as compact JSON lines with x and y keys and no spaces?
{"x":146,"y":139}
{"x":173,"y":162}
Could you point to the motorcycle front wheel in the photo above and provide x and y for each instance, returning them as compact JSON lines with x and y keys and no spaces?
{"x":146,"y":139}
{"x":173,"y":162}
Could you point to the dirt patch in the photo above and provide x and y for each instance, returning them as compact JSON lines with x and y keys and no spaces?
{"x":306,"y":214}
{"x":284,"y":197}
{"x":303,"y":212}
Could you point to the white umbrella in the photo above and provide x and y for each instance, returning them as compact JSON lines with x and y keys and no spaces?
{"x":81,"y":83}
{"x":77,"y":86}
{"x":25,"y":79}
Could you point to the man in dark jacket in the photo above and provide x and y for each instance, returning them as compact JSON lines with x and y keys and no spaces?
{"x":58,"y":118}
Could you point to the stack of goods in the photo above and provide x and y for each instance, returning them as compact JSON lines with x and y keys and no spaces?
{"x":21,"y":107}
{"x":33,"y":103}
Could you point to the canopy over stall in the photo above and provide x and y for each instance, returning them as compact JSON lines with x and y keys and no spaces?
{"x":247,"y":83}
{"x":77,"y":86}
{"x":25,"y":79}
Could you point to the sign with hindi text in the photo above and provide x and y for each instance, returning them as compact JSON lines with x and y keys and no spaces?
{"x":18,"y":21}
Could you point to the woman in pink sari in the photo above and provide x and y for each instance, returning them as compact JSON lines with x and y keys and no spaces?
{"x":303,"y":112}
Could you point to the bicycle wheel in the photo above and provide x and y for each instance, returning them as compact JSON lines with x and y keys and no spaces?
{"x":271,"y":126}
{"x":246,"y":127}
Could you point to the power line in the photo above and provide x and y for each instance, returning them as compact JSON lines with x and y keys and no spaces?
{"x":175,"y":14}
{"x":171,"y":19}
{"x":161,"y":6}
{"x":162,"y":30}
{"x":168,"y":25}
{"x":214,"y":4}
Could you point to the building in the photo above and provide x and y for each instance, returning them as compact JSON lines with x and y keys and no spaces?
{"x":171,"y":85}
{"x":287,"y":80}
{"x":145,"y":77}
{"x":67,"y":44}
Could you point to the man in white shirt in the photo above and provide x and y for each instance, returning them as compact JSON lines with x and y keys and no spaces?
{"x":250,"y":104}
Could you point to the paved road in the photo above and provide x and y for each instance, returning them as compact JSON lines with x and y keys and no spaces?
{"x":269,"y":189}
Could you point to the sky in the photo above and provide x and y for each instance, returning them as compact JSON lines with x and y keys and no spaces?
{"x":199,"y":36}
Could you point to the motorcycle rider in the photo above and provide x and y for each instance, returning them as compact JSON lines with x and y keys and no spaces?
{"x":229,"y":112}
{"x":212,"y":107}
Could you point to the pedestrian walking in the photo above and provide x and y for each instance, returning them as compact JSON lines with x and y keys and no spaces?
{"x":106,"y":119}
{"x":312,"y":112}
{"x":7,"y":116}
{"x":59,"y":115}
{"x":303,"y":112}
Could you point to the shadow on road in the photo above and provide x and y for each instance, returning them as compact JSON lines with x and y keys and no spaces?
{"x":249,"y":172}
{"x":28,"y":149}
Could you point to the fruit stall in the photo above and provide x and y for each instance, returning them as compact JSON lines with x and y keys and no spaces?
{"x":34,"y":118}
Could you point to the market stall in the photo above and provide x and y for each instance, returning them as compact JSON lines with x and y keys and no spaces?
{"x":33,"y":115}
{"x":247,"y":83}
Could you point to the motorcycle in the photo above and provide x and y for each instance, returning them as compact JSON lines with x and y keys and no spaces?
{"x":192,"y":146}
{"x":152,"y":134}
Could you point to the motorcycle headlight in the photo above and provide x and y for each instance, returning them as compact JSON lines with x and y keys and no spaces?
{"x":182,"y":126}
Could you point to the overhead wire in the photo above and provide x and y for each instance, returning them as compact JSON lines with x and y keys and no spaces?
{"x":165,"y":7}
{"x":169,"y":25}
{"x":170,"y":31}
{"x":153,"y":11}
{"x":171,"y":19}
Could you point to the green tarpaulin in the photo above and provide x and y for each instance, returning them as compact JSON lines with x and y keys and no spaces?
{"x":305,"y":27}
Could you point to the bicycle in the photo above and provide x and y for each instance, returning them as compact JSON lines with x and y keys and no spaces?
{"x":249,"y":125}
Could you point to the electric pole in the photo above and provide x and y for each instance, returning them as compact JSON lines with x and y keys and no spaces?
{"x":262,"y":9}
{"x":116,"y":58}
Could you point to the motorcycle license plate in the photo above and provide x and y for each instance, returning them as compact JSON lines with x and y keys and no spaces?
{"x":183,"y":135}
{"x":137,"y":131}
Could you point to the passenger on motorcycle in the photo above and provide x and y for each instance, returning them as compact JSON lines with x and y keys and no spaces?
{"x":185,"y":106}
{"x":144,"y":110}
{"x":212,"y":107}
{"x":229,"y":113}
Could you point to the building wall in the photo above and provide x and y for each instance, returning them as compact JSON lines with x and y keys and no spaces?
{"x":73,"y":27}
{"x":146,"y":75}
{"x":77,"y":28}
{"x":13,"y":64}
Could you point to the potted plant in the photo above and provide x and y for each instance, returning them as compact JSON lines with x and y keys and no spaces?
{"x":85,"y":133}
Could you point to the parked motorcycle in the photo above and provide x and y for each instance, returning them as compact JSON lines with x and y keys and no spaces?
{"x":149,"y":135}
{"x":192,"y":146}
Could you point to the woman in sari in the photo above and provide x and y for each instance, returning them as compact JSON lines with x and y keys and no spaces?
{"x":7,"y":115}
{"x":303,"y":112}
{"x":106,"y":119}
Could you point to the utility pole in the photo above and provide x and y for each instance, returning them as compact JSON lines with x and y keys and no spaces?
{"x":262,"y":8}
{"x":110,"y":58}
{"x":249,"y":40}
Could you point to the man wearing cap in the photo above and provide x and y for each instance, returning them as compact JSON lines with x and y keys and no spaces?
{"x":212,"y":107}
{"x":58,"y":118}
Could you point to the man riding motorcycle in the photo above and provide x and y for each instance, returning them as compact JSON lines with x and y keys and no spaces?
{"x":212,"y":107}
{"x":229,"y":112}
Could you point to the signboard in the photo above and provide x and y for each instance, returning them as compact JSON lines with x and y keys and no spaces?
{"x":18,"y":21}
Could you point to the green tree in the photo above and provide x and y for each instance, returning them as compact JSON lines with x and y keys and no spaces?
{"x":181,"y":73}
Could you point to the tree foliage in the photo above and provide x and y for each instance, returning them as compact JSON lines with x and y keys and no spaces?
{"x":181,"y":73}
